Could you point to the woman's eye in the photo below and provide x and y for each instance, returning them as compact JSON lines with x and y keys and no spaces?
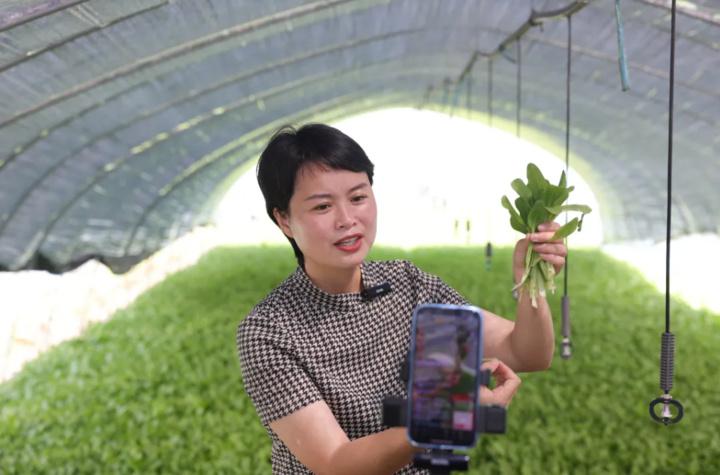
{"x":322,"y":207}
{"x":359,"y":197}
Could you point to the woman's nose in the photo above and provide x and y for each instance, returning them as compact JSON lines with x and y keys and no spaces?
{"x":344,"y":217}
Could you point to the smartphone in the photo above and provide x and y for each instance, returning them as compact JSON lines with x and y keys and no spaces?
{"x":443,"y":385}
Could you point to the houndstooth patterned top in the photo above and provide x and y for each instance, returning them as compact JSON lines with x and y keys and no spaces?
{"x":301,"y":345}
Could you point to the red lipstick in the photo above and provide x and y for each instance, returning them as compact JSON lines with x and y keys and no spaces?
{"x":352,"y":246}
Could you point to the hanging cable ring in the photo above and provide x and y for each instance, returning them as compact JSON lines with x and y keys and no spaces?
{"x":666,"y":417}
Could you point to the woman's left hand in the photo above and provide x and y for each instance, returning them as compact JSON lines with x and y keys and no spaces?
{"x":506,"y":384}
{"x":552,"y":251}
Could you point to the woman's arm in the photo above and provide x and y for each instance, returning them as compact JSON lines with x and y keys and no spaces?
{"x":315,"y":438}
{"x":528,"y":343}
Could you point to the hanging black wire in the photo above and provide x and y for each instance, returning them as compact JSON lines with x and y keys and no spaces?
{"x":567,"y":127}
{"x":518,"y":81}
{"x":669,"y":169}
{"x":667,"y":348}
{"x":566,"y":349}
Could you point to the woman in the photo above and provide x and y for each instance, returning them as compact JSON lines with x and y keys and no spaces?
{"x":318,"y":354}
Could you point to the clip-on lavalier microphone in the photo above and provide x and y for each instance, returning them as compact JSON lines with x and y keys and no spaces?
{"x":376,"y":291}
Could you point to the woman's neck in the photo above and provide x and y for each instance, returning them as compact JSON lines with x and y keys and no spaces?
{"x":335,"y":281}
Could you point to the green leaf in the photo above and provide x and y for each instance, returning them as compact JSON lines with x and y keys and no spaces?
{"x":554,"y":195}
{"x":521,"y":188}
{"x":565,"y":230}
{"x":523,"y":207}
{"x":556,"y":210}
{"x":538,"y":214}
{"x":553,"y":210}
{"x":563,"y":180}
{"x":518,"y":225}
{"x":536,"y":181}
{"x":516,"y":220}
{"x":562,"y":197}
{"x":508,"y":206}
{"x":584,"y":209}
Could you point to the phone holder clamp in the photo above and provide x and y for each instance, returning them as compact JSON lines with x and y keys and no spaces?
{"x":491,"y":419}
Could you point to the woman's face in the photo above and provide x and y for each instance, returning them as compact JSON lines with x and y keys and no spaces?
{"x":329,"y":206}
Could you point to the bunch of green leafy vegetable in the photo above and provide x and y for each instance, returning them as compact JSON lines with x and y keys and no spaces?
{"x":539,"y":202}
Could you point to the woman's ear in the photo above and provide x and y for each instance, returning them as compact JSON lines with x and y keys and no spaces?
{"x":283,"y":221}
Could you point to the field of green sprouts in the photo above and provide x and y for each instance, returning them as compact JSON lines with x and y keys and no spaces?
{"x":157,"y":388}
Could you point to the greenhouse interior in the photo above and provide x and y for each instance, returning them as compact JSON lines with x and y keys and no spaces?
{"x":163,"y":293}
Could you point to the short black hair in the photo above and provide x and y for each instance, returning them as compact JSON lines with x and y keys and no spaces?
{"x":289,"y":150}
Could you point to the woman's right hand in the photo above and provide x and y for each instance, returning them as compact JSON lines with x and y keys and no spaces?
{"x":506,"y":384}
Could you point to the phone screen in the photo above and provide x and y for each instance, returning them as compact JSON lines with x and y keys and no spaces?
{"x":445,"y":352}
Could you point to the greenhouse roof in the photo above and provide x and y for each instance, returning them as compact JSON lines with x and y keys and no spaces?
{"x":122,"y":123}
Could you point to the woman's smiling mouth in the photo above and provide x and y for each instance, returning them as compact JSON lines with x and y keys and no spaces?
{"x":350,"y":243}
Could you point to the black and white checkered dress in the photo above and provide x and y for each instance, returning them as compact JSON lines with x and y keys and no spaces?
{"x":301,"y":345}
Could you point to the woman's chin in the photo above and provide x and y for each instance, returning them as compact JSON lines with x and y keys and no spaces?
{"x":353,"y":260}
